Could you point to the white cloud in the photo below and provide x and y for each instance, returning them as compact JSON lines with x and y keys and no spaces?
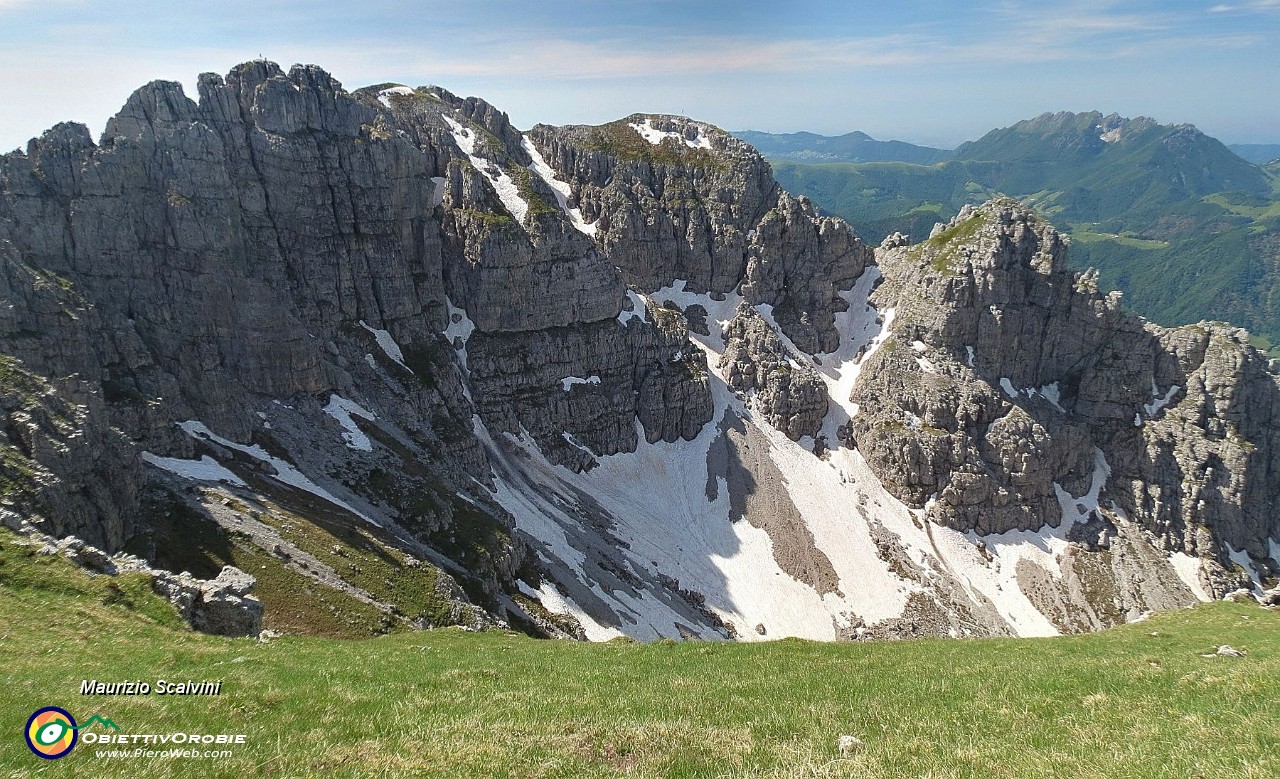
{"x":1255,"y":5}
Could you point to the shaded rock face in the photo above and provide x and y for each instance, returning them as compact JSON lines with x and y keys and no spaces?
{"x":579,"y":391}
{"x":242,"y":259}
{"x":1010,"y":371}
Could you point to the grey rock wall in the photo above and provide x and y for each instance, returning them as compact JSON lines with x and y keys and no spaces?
{"x":251,"y":254}
{"x":1186,"y":417}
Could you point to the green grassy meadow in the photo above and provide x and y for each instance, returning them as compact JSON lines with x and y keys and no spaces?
{"x":1138,"y":701}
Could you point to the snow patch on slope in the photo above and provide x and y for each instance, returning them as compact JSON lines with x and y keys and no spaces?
{"x":343,"y":410}
{"x":1159,"y":401}
{"x":387,"y":344}
{"x":570,"y":381}
{"x":1241,"y":558}
{"x":284,"y":472}
{"x":462,"y":328}
{"x":503,"y":184}
{"x":862,"y":331}
{"x":1050,"y":392}
{"x":384,"y":96}
{"x":719,"y":312}
{"x":561,"y":189}
{"x":637,"y":309}
{"x":1188,"y":570}
{"x":655,"y":136}
{"x":204,"y":469}
{"x":553,"y":601}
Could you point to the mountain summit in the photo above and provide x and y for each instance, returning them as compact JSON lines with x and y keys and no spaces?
{"x":1171,"y":217}
{"x":1103,"y":165}
{"x":416,"y":367}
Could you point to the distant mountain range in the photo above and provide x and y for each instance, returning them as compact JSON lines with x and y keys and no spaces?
{"x":857,"y":146}
{"x":1187,"y":227}
{"x":1257,"y":152}
{"x":851,"y":147}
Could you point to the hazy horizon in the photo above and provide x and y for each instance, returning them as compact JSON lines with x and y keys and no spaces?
{"x":923,"y":72}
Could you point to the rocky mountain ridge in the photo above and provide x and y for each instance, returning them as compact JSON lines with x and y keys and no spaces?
{"x":596,"y":380}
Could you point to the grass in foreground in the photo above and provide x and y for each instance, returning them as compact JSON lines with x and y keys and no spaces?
{"x":1138,"y":701}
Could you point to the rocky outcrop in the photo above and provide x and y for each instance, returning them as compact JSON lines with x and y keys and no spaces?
{"x":700,"y":206}
{"x":790,"y":395}
{"x":1006,"y":372}
{"x":222,"y":606}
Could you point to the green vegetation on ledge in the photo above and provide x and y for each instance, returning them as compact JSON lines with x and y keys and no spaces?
{"x":622,"y":141}
{"x":945,"y":247}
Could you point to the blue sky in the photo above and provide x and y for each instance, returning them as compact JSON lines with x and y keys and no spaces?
{"x":929,"y":72}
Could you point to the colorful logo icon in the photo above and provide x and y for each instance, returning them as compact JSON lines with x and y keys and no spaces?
{"x":51,"y":732}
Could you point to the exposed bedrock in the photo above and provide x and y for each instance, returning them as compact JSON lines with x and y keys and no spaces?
{"x":791,"y":396}
{"x":1006,"y":370}
{"x":353,"y":301}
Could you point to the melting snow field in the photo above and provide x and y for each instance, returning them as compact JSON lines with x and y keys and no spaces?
{"x":658,"y":497}
{"x":671,"y":523}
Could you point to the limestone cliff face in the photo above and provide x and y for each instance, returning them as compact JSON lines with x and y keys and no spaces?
{"x":519,"y":359}
{"x":1007,"y":371}
{"x":791,"y":396}
{"x":240,"y":260}
{"x":701,"y":206}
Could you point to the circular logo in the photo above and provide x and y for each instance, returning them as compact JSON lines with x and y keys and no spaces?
{"x":51,"y":732}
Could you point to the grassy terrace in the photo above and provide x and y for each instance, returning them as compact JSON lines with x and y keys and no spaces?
{"x":1139,"y":701}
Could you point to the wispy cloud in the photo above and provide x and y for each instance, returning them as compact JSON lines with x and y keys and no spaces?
{"x":1255,"y":5}
{"x":580,"y":60}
